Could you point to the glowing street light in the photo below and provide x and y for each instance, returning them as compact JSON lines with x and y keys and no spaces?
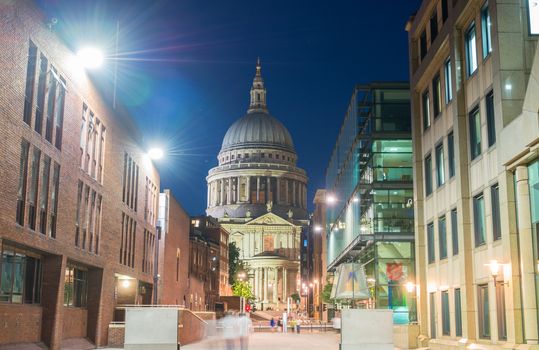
{"x":317,"y":228}
{"x":410,"y":287}
{"x":90,"y":57}
{"x":156,"y":153}
{"x":331,"y":199}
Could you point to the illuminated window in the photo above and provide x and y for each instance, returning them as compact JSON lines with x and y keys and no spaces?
{"x":471,"y":49}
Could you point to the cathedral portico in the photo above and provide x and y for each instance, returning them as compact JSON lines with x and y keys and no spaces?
{"x":259,"y":195}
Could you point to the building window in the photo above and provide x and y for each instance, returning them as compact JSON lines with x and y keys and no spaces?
{"x":44,"y":198}
{"x":75,"y":287}
{"x":446,"y":328}
{"x":30,"y":83}
{"x":54,"y":200}
{"x":442,"y":237}
{"x":454,"y":232}
{"x":483,"y":311}
{"x":495,"y":201}
{"x":533,"y":18}
{"x":128,"y":240}
{"x":432,"y":314}
{"x":451,"y":154}
{"x":20,"y":276}
{"x":428,"y":175}
{"x":423,"y":44}
{"x":437,"y":95}
{"x":448,"y":80}
{"x":426,"y":109}
{"x":444,"y":10}
{"x":491,"y":124}
{"x":433,"y":27}
{"x":500,"y":311}
{"x":59,"y":118}
{"x":130,"y":182}
{"x":471,"y":50}
{"x":430,"y":243}
{"x":34,"y":183}
{"x":41,"y":90}
{"x":486,"y":31}
{"x":475,"y":133}
{"x":440,"y":172}
{"x":23,"y":180}
{"x":479,"y":219}
{"x":51,"y":99}
{"x":77,"y":214}
{"x":458,"y":314}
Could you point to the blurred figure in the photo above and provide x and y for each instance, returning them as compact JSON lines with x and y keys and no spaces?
{"x":279,"y":324}
{"x":272,"y":325}
{"x":245,"y":327}
{"x":230,"y":331}
{"x":293,"y":325}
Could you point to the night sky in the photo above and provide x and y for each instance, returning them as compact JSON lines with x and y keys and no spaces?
{"x":185,"y":69}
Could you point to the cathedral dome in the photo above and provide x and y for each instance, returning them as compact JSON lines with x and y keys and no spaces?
{"x":257,"y":129}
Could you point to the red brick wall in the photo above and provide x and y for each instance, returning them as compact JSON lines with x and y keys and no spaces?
{"x":176,"y":238}
{"x":75,"y":323}
{"x":20,"y":323}
{"x":21,"y":21}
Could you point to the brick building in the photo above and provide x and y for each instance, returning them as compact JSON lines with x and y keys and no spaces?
{"x":79,"y":199}
{"x":209,"y":260}
{"x":173,"y":284}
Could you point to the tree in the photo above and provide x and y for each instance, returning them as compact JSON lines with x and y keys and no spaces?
{"x":234,"y":263}
{"x":295,"y":297}
{"x":242,"y":289}
{"x":326,"y":293}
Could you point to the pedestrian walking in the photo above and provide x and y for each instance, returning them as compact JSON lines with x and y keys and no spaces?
{"x":272,"y":325}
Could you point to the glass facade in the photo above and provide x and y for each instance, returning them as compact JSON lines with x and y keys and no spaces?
{"x":370,"y":174}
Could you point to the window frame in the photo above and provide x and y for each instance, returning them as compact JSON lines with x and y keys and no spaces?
{"x":495,"y":212}
{"x":451,"y":164}
{"x":486,"y":31}
{"x":446,"y":315}
{"x":471,"y":49}
{"x":458,"y":312}
{"x":483,"y":312}
{"x":474,"y":118}
{"x":448,"y":80}
{"x":454,"y":232}
{"x":425,"y":109}
{"x":437,"y":95}
{"x":491,"y":118}
{"x":427,"y":165}
{"x":442,"y":237}
{"x":431,"y":251}
{"x":480,"y":238}
{"x":440,"y":164}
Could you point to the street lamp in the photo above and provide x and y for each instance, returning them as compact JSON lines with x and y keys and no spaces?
{"x":331,"y":199}
{"x":410,"y":288}
{"x":90,"y":57}
{"x":317,"y":228}
{"x":494,"y":267}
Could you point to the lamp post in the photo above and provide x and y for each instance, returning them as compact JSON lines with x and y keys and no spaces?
{"x":156,"y":265}
{"x":410,"y":288}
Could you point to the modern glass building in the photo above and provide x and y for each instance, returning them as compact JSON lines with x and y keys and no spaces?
{"x":370,"y":214}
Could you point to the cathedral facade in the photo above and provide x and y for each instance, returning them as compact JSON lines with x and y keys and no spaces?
{"x":259,"y":196}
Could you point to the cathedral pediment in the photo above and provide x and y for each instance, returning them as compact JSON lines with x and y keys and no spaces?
{"x":270,"y":219}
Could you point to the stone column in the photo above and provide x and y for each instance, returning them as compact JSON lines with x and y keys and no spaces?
{"x":275,"y":285}
{"x":238,"y":189}
{"x":258,"y":189}
{"x":294,"y":203}
{"x":229,"y":191}
{"x":209,"y":196}
{"x":248,"y":189}
{"x":255,"y":284}
{"x":268,"y":188}
{"x":278,"y":192}
{"x":286,"y":198}
{"x":265,"y":284}
{"x":285,"y":291}
{"x":527,"y":261}
{"x":222,"y":194}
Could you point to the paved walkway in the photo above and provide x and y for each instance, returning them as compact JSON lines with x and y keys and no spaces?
{"x":279,"y":341}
